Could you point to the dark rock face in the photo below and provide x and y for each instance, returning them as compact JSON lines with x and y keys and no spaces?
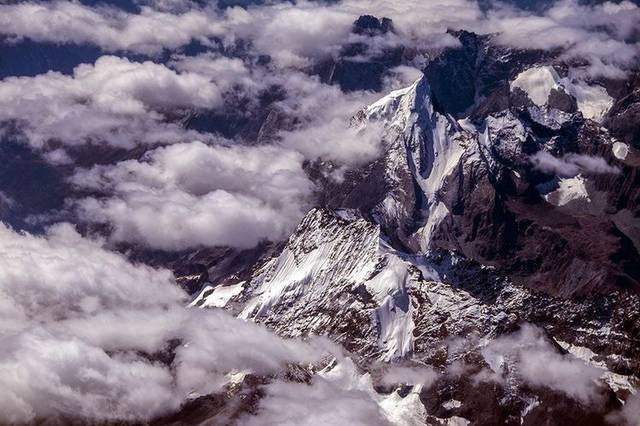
{"x":623,"y":120}
{"x":370,"y":25}
{"x":561,"y":253}
{"x":561,"y":101}
{"x":459,"y":65}
{"x":357,"y":66}
{"x":464,"y":76}
{"x":500,"y":218}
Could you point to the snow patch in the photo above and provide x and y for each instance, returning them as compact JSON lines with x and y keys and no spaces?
{"x":533,"y":403}
{"x":314,"y":260}
{"x":422,"y":144}
{"x":620,"y":150}
{"x":451,"y":404}
{"x":549,"y":117}
{"x":569,"y":189}
{"x":438,"y":211}
{"x":407,"y":411}
{"x":537,"y":83}
{"x":394,"y":316}
{"x":385,"y":108}
{"x":593,"y":101}
{"x":454,"y":421}
{"x":217,"y":297}
{"x":327,"y":256}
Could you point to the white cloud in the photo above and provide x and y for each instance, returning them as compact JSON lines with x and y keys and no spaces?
{"x":341,"y":394}
{"x":45,"y":376}
{"x":400,"y":77}
{"x":629,"y":414}
{"x":571,"y":164}
{"x":295,"y":35}
{"x":110,"y":28}
{"x":73,"y":317}
{"x":226,"y":72}
{"x":322,"y":402}
{"x":422,"y":24}
{"x":38,"y":274}
{"x":396,"y":375}
{"x":292,"y":34}
{"x":540,"y":364}
{"x":188,"y":195}
{"x":322,"y":127}
{"x":336,"y":140}
{"x":115,"y":101}
{"x":338,"y":395}
{"x":599,"y":33}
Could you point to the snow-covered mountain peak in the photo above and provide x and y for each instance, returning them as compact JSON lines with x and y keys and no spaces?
{"x":336,"y":275}
{"x":399,"y":107}
{"x":423,"y":148}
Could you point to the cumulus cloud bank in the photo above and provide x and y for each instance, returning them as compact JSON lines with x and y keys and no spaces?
{"x":110,"y":28}
{"x":601,"y":33}
{"x":130,"y":98}
{"x":323,"y":131}
{"x":113,"y":101}
{"x":296,"y":34}
{"x":192,"y":194}
{"x":197,"y":194}
{"x":75,"y":321}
